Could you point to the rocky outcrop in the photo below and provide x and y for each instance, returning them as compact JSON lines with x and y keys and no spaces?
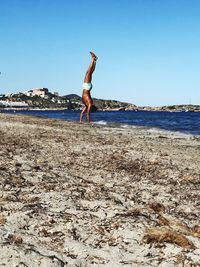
{"x":172,"y":108}
{"x":113,"y":105}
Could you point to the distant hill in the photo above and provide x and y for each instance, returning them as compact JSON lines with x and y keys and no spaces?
{"x":74,"y":102}
{"x":72,"y":97}
{"x":103,"y":104}
{"x":71,"y":102}
{"x":185,"y":107}
{"x":182,"y":107}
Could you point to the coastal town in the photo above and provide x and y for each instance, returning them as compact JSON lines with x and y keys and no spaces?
{"x":31,"y":98}
{"x":43,"y":98}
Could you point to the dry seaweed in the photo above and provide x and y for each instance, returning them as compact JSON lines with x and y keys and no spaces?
{"x":160,"y":235}
{"x":78,"y":194}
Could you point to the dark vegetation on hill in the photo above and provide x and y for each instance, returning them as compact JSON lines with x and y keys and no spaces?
{"x":74,"y":102}
{"x":71,"y":101}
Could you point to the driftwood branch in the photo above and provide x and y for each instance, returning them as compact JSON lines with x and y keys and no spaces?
{"x":52,"y":257}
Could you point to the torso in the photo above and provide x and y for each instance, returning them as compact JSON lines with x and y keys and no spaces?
{"x":86,"y":97}
{"x":86,"y":92}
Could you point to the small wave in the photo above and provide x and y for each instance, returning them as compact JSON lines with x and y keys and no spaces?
{"x":125,"y":126}
{"x":129,"y":126}
{"x":101,"y":122}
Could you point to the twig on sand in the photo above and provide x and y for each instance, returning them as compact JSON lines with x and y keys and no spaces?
{"x":52,"y":257}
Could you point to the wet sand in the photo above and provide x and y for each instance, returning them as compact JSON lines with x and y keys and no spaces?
{"x":81,"y":195}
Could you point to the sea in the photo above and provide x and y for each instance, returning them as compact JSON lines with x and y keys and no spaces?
{"x":183,"y":121}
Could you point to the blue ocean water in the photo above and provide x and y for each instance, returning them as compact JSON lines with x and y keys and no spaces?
{"x":187,"y":122}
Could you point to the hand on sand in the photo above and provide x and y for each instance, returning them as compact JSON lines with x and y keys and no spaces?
{"x":93,"y":55}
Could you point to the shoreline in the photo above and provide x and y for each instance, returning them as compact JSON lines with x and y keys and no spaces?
{"x":108,"y":124}
{"x":152,"y":109}
{"x":92,"y":195}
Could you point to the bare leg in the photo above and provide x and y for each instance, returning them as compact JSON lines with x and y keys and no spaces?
{"x":88,"y":75}
{"x":88,"y":112}
{"x":82,"y":113}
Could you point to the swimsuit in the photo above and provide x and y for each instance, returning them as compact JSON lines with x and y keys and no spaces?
{"x":87,"y":86}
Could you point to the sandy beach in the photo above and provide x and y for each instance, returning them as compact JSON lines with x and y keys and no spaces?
{"x":88,"y":195}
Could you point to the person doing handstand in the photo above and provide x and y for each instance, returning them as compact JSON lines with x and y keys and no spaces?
{"x":87,"y":86}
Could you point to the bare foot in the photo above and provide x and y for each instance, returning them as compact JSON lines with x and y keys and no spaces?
{"x":93,"y":55}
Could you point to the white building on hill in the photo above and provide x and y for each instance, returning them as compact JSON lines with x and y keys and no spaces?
{"x":42,"y":92}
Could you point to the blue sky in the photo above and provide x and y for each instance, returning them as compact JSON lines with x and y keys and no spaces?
{"x":149,"y":50}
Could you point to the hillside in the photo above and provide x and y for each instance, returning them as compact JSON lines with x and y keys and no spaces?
{"x":71,"y":102}
{"x":74,"y":102}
